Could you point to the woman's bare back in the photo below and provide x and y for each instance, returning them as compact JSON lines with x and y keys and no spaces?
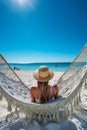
{"x":52,"y":92}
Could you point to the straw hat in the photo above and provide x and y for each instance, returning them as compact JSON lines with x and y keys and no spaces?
{"x":43,"y":74}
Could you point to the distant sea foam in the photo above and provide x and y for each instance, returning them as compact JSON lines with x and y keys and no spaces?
{"x":57,"y":66}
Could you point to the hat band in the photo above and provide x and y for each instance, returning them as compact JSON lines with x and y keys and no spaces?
{"x":43,"y":74}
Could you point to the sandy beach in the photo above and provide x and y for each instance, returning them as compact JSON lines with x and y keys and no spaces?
{"x":79,"y":117}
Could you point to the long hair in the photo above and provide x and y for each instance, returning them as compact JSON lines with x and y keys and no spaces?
{"x":43,"y":89}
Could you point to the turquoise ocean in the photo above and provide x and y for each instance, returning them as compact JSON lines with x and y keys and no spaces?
{"x":57,"y":66}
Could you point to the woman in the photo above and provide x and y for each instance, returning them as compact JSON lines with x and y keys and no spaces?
{"x":43,"y":92}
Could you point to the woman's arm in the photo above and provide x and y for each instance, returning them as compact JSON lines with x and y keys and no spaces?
{"x":56,"y":91}
{"x":31,"y":94}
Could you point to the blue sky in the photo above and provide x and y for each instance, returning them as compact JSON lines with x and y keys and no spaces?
{"x":42,"y":30}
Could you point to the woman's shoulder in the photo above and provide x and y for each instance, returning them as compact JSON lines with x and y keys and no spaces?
{"x":55,"y":85}
{"x":34,"y":88}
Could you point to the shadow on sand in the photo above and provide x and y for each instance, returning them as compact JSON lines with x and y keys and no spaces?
{"x":67,"y":125}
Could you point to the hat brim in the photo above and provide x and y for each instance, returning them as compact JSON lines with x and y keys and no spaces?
{"x":40,"y":79}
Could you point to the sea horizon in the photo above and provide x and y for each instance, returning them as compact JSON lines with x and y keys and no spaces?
{"x":56,"y":66}
{"x":39,"y":62}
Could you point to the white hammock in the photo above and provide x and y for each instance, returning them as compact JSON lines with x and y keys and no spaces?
{"x":70,"y":83}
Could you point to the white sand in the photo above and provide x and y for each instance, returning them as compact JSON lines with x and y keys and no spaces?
{"x":79,"y":118}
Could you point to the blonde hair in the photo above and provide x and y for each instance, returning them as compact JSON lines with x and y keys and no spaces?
{"x":43,"y":89}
